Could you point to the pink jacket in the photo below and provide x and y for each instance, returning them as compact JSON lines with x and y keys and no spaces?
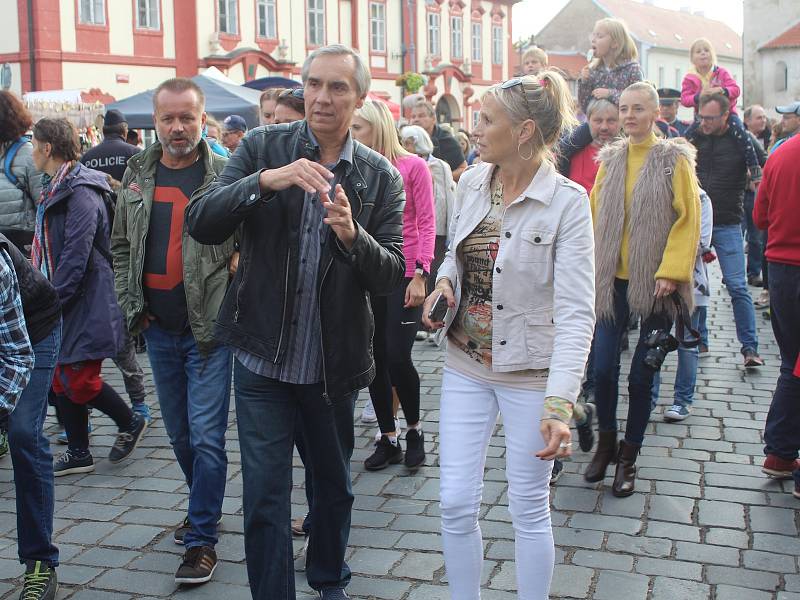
{"x":692,"y":87}
{"x":419,"y":217}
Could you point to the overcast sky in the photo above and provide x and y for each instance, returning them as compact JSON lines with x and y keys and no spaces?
{"x":531,"y":15}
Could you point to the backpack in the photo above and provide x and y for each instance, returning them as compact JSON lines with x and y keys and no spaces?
{"x":8,"y":160}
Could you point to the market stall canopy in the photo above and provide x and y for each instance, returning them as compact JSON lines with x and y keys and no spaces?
{"x":394,"y":107}
{"x":272,"y":82}
{"x":222,"y":99}
{"x":79,"y":96}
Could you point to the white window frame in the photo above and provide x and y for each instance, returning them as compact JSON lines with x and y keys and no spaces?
{"x":228,"y":16}
{"x":497,"y":44}
{"x":678,"y":78}
{"x":267,"y":15}
{"x":92,"y":12}
{"x":315,"y":22}
{"x":377,"y":27}
{"x":456,"y":36}
{"x":434,"y":21}
{"x":476,"y":117}
{"x":152,"y":10}
{"x":477,"y":41}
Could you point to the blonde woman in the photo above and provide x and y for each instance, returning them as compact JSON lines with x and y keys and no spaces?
{"x":397,"y":316}
{"x":519,"y":283}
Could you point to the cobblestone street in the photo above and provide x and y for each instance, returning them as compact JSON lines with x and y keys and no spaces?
{"x":705,"y":522}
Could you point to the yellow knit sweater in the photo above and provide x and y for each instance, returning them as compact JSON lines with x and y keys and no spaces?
{"x":679,"y":254}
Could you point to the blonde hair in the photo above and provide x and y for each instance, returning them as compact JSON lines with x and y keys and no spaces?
{"x":212,"y":122}
{"x":544,"y":99}
{"x":619,"y":34}
{"x":536,"y":53}
{"x":647,"y":88}
{"x":700,"y":42}
{"x":384,"y":133}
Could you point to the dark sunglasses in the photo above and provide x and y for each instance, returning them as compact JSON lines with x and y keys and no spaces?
{"x":517,"y":81}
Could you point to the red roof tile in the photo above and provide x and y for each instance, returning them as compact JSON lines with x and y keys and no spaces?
{"x":571,"y":64}
{"x":788,"y":39}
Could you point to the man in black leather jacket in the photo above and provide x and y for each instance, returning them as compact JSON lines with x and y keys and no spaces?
{"x":320,"y":221}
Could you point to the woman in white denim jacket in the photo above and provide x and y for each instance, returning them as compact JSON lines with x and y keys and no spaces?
{"x":519,"y":282}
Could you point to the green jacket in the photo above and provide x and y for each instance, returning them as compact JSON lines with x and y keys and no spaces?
{"x":205,"y":267}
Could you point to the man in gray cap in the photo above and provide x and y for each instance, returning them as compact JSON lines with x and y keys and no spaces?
{"x":111,"y":155}
{"x":790,"y":122}
{"x":233,"y":129}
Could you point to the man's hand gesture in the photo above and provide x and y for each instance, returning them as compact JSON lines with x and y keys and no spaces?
{"x":340,"y":218}
{"x":306,"y":174}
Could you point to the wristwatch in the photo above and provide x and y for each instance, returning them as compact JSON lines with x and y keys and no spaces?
{"x":420,"y":270}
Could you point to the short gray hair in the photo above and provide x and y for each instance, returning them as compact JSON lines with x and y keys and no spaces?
{"x":361,"y":75}
{"x":422,"y":141}
{"x":599,"y":104}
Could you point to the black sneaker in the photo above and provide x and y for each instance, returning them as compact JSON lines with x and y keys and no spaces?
{"x":183,"y":529}
{"x":39,"y":582}
{"x":585,"y":431}
{"x":333,"y":594}
{"x":386,"y":453}
{"x":72,"y":462}
{"x":198,"y":566}
{"x":127,"y":440}
{"x":558,"y":469}
{"x":415,"y":448}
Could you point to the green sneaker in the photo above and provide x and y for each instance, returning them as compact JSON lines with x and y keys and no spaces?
{"x":3,"y":443}
{"x":39,"y":583}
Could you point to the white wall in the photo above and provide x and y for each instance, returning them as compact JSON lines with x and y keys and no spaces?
{"x":67,"y":14}
{"x":84,"y":76}
{"x":120,"y":23}
{"x":771,"y":97}
{"x":9,"y":40}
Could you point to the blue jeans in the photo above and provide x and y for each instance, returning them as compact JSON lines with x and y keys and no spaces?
{"x":754,"y":237}
{"x":30,"y":455}
{"x":607,"y":337}
{"x":782,"y":430}
{"x":194,"y":395}
{"x":727,"y":241}
{"x":267,"y":411}
{"x":686,"y":374}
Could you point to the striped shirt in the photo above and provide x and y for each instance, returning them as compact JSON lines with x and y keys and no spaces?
{"x":302,"y":362}
{"x":16,"y":352}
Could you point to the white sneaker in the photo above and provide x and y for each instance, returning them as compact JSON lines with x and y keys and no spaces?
{"x":397,"y":428}
{"x":368,"y":414}
{"x":677,"y":412}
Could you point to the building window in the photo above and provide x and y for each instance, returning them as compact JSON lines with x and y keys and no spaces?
{"x":497,"y":44}
{"x":476,"y":117}
{"x":316,"y":22}
{"x":92,"y":12}
{"x":781,"y":76}
{"x":227,"y":17}
{"x":267,"y":19}
{"x":377,"y":27}
{"x":678,"y":80}
{"x":434,"y":45}
{"x":477,"y":42}
{"x":456,"y":37}
{"x":661,"y":77}
{"x":147,"y":14}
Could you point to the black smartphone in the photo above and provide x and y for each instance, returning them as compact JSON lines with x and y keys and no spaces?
{"x":439,"y":310}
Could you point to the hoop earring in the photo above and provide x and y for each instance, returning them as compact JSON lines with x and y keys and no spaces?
{"x":530,"y":157}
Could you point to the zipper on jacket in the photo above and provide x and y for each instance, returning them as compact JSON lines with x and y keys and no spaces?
{"x":325,"y":395}
{"x":243,"y":267}
{"x":285,"y":300}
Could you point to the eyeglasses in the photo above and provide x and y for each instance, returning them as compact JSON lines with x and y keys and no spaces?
{"x":708,"y":118}
{"x":294,"y":93}
{"x":517,"y":81}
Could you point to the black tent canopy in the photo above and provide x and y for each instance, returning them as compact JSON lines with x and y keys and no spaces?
{"x":222,"y":99}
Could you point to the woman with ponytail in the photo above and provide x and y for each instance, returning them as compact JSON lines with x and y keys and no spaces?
{"x":519,"y":282}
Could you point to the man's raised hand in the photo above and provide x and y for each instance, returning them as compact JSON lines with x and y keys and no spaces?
{"x":306,"y":174}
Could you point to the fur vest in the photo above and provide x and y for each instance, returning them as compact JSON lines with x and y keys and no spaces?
{"x":650,"y":221}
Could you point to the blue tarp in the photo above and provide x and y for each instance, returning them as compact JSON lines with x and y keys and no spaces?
{"x":222,"y":99}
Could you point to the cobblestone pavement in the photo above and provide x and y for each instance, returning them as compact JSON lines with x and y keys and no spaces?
{"x":705,"y":523}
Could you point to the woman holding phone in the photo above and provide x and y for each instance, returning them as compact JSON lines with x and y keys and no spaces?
{"x":519,"y":282}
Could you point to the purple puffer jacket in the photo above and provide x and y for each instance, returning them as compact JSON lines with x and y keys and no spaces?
{"x":77,"y":229}
{"x":615,"y":79}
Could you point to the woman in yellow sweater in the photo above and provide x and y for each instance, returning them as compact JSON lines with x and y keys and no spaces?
{"x":646,"y":212}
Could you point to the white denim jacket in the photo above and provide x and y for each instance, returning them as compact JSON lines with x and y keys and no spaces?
{"x":543,"y":281}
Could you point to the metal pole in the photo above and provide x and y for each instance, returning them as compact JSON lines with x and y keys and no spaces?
{"x":412,"y":21}
{"x":31,"y":46}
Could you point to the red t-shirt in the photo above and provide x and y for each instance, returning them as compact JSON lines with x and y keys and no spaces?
{"x":583,"y":169}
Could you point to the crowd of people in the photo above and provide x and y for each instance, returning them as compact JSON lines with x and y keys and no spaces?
{"x":299,"y":261}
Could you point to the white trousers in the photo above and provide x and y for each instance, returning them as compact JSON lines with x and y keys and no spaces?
{"x":469,"y":411}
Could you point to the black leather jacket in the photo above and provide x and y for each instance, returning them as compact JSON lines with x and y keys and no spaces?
{"x":257,"y":307}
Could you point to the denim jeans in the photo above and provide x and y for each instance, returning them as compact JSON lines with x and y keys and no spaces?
{"x":266,"y":412}
{"x":782,"y":431}
{"x":754,"y":237}
{"x":686,"y":373}
{"x":30,"y":455}
{"x":727,"y":241}
{"x":607,"y":352}
{"x":194,"y":395}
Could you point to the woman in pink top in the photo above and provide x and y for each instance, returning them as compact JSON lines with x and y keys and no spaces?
{"x":397,"y":316}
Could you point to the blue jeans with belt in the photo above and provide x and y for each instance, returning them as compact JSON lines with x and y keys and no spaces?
{"x":30,"y":455}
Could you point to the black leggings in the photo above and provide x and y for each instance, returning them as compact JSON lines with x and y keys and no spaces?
{"x":76,"y":416}
{"x":395,"y":330}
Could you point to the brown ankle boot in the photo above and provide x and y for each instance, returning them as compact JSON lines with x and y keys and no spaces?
{"x":625,"y":476}
{"x":606,"y":452}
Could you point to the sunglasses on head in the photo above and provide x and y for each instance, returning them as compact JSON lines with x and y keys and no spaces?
{"x":295,"y":93}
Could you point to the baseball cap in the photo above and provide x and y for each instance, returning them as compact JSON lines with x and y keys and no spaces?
{"x":114,"y":117}
{"x":794,"y":107}
{"x":234,"y":123}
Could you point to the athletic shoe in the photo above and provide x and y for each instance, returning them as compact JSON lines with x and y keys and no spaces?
{"x":421,"y":335}
{"x":558,"y":469}
{"x":71,"y":463}
{"x":127,"y":440}
{"x":677,"y":412}
{"x":333,"y":594}
{"x":3,"y":443}
{"x":752,"y":359}
{"x":703,"y":350}
{"x":386,"y":453}
{"x":585,"y":430}
{"x":763,"y":299}
{"x":779,"y":468}
{"x":755,"y":280}
{"x":198,"y":566}
{"x":140,"y":408}
{"x":183,"y":529}
{"x":297,"y":526}
{"x":368,"y":414}
{"x":61,"y":438}
{"x":415,"y":448}
{"x":39,"y":582}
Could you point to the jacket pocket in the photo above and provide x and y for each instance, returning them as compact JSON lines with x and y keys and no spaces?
{"x":539,"y":334}
{"x":537,"y":245}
